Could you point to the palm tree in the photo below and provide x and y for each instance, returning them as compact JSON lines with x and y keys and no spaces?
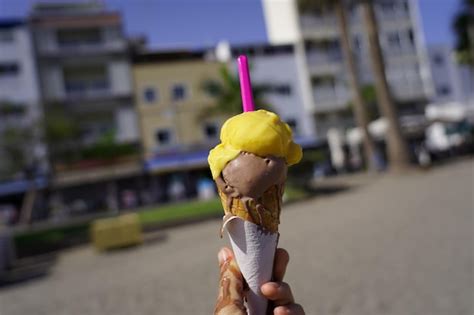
{"x":398,"y":154}
{"x":359,"y":105}
{"x":226,"y":93}
{"x":463,"y":26}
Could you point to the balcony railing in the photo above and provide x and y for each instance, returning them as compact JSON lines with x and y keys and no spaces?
{"x":323,"y":57}
{"x":397,"y":51}
{"x":312,"y":21}
{"x":90,"y":88}
{"x":81,"y":47}
{"x":328,"y":98}
{"x":321,"y":63}
{"x":318,"y":26}
{"x":406,"y":89}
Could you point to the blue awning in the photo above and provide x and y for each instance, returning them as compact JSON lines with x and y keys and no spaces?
{"x":20,"y":186}
{"x":308,"y":142}
{"x":177,"y":160}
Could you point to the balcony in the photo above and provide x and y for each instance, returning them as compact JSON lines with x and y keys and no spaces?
{"x":83,"y":89}
{"x":101,"y":154}
{"x":402,"y":51}
{"x":83,"y":49}
{"x":321,"y":63}
{"x":329,"y":98}
{"x":317,"y":27}
{"x":408,"y":89}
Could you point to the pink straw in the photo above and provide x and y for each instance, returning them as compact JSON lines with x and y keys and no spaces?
{"x":245,"y":85}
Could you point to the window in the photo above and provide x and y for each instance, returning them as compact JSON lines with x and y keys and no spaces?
{"x":72,"y":37}
{"x":87,"y":78}
{"x":92,"y":132}
{"x":8,"y":69}
{"x":284,"y":89}
{"x":178,"y":92}
{"x":438,"y":60}
{"x":211,"y":130}
{"x":406,"y":6}
{"x":387,"y":6}
{"x":324,"y":81}
{"x":393,"y":40}
{"x":443,"y":90}
{"x":163,"y":136}
{"x":293,"y":125}
{"x":411,"y":37}
{"x":356,"y":41}
{"x":149,"y":95}
{"x":6,"y":36}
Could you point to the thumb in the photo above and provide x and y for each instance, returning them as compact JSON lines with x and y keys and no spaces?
{"x":230,"y":300}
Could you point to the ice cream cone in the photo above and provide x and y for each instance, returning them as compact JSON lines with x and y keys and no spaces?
{"x":250,"y":167}
{"x":254,"y":250}
{"x":264,"y":212}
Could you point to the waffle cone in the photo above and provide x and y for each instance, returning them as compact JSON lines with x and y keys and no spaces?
{"x":264,"y":212}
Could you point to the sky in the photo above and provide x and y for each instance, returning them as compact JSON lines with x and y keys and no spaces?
{"x":202,"y":23}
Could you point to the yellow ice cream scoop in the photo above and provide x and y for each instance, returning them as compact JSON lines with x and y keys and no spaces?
{"x":259,"y":132}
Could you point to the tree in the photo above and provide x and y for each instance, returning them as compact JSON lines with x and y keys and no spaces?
{"x":397,"y":149}
{"x":226,"y":93}
{"x":463,"y":27}
{"x":14,"y":142}
{"x":62,"y":133}
{"x":359,"y":106}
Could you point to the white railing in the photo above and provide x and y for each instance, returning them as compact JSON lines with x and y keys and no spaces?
{"x":407,"y":89}
{"x":327,"y":98}
{"x":321,"y":57}
{"x":83,"y":47}
{"x":92,"y":88}
{"x":311,"y":21}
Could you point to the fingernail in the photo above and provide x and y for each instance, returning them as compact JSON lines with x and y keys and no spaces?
{"x":274,"y":285}
{"x":223,"y":256}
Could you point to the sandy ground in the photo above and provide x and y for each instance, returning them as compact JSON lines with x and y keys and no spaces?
{"x":396,"y":245}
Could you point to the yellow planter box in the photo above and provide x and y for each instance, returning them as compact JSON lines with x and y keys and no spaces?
{"x":121,"y":231}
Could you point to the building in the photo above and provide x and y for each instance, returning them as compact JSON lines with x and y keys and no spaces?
{"x":451,"y":81}
{"x":171,"y":102}
{"x":176,"y":127}
{"x":84,"y":71}
{"x":90,"y":123}
{"x":23,"y":156}
{"x":20,"y":111}
{"x":321,"y":67}
{"x":274,"y":67}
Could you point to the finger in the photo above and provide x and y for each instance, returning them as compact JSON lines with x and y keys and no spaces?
{"x":292,"y":309}
{"x":278,"y":292}
{"x":230,"y":300}
{"x":279,"y":266}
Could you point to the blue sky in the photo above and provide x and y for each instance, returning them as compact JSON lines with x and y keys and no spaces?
{"x":197,"y":23}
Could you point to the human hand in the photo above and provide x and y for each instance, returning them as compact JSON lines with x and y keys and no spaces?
{"x":231,"y":287}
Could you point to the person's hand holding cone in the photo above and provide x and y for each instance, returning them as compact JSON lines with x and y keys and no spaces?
{"x":231,"y":296}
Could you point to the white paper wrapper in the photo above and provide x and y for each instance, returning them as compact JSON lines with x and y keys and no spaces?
{"x":254,"y":249}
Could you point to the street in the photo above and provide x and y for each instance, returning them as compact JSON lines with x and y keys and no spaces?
{"x":398,"y":245}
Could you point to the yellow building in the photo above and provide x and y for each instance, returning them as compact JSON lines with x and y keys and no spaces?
{"x":170,"y":102}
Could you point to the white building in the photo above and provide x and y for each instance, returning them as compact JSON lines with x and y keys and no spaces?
{"x":451,"y":81}
{"x":84,"y":67}
{"x":19,"y":91}
{"x":275,"y":68}
{"x":320,"y":64}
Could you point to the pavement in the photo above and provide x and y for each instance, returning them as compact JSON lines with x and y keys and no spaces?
{"x":395,"y":245}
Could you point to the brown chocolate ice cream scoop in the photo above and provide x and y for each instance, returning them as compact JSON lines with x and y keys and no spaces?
{"x":251,"y":175}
